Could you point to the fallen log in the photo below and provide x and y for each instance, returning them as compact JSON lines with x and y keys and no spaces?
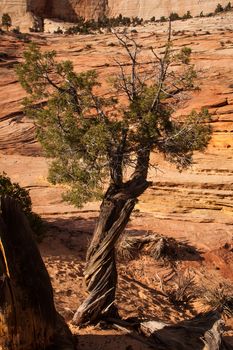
{"x":204,"y":332}
{"x":28,"y":318}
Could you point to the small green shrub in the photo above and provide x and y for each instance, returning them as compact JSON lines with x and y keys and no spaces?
{"x":184,"y":54}
{"x":187,"y":15}
{"x":83,"y":26}
{"x":6,"y":21}
{"x":16,"y":30}
{"x":228,"y":7}
{"x":219,"y":8}
{"x":174,"y":16}
{"x":14,"y":190}
{"x":163,"y":19}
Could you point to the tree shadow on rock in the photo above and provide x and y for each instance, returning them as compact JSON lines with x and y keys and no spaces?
{"x":74,"y":233}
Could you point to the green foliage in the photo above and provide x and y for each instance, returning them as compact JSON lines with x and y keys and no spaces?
{"x":7,"y":188}
{"x":174,"y":16}
{"x":163,"y":19}
{"x":83,"y":26}
{"x":6,"y":20}
{"x":16,"y":30}
{"x":11,"y":189}
{"x":187,"y":15}
{"x":219,"y":8}
{"x":184,"y":55}
{"x":228,"y":7}
{"x":92,"y":138}
{"x":193,"y":134}
{"x":70,"y":132}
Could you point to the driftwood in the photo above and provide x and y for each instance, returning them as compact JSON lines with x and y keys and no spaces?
{"x":28,"y":318}
{"x":204,"y":332}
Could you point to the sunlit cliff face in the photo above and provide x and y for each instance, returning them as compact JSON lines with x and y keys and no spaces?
{"x":148,"y":8}
{"x":67,"y":10}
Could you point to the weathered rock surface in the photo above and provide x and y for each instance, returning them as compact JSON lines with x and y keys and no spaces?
{"x":69,"y":10}
{"x":147,"y":8}
{"x":20,"y":12}
{"x":25,"y":12}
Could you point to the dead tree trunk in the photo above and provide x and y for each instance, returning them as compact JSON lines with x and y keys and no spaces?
{"x":28,"y":318}
{"x":100,"y":272}
{"x":204,"y":332}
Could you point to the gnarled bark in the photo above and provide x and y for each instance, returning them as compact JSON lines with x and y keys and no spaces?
{"x":28,"y":318}
{"x":100,"y":272}
{"x":204,"y":332}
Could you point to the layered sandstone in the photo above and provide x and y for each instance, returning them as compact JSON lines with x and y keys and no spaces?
{"x":147,"y":8}
{"x":19,"y":12}
{"x":69,"y":10}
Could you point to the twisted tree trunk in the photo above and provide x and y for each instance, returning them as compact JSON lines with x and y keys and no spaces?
{"x":100,"y":272}
{"x":28,"y":318}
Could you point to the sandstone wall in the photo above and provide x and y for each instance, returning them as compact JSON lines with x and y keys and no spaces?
{"x":23,"y":11}
{"x":148,"y":8}
{"x":20,"y":11}
{"x":70,"y":9}
{"x":37,"y":6}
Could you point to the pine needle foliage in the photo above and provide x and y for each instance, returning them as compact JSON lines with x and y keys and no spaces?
{"x":92,"y":138}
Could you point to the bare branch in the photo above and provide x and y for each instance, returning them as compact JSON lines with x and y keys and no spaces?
{"x":164,"y":64}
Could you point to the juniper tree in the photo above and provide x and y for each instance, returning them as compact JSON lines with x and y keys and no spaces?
{"x":219,"y":8}
{"x":93,"y":138}
{"x":6,"y":21}
{"x":228,"y":7}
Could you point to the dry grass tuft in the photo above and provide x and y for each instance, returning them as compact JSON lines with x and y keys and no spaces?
{"x":181,"y":290}
{"x":159,"y":247}
{"x":219,"y":297}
